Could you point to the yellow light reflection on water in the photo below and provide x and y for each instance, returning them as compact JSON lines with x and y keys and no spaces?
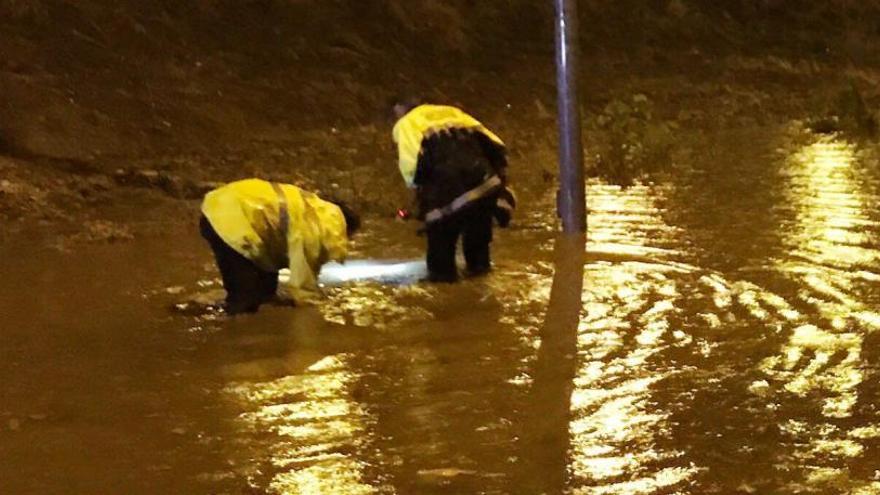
{"x":831,"y":250}
{"x":832,"y":253}
{"x":316,"y":427}
{"x":626,"y":222}
{"x":830,"y":207}
{"x":615,"y":427}
{"x":629,"y":303}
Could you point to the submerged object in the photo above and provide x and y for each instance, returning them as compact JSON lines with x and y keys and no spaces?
{"x":383,"y":271}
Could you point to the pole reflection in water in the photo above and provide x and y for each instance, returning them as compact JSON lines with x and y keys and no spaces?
{"x":548,"y":413}
{"x":834,"y":245}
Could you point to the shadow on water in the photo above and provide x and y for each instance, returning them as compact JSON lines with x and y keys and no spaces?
{"x":544,"y":436}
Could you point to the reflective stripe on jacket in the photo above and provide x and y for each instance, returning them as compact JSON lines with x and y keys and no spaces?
{"x":249,"y":216}
{"x":422,"y":122}
{"x":489,"y":186}
{"x":502,"y":209}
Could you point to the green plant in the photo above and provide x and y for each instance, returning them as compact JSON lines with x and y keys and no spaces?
{"x":627,"y":141}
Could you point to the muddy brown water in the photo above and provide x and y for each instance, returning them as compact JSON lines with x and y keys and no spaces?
{"x":728,"y":343}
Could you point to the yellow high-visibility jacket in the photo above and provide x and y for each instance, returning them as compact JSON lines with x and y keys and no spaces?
{"x":249,"y":215}
{"x":423,"y":121}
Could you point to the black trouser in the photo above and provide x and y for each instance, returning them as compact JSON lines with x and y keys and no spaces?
{"x":474,"y":225}
{"x":451,"y":164}
{"x":247,"y":285}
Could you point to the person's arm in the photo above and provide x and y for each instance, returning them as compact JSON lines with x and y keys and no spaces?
{"x":302,"y":287}
{"x":505,"y":204}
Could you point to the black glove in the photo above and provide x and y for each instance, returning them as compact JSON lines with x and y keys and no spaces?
{"x":505,"y":203}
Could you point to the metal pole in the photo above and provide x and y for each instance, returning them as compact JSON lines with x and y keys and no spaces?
{"x":572,"y":196}
{"x":545,"y":432}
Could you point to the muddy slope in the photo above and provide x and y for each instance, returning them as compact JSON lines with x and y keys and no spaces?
{"x":173,"y":96}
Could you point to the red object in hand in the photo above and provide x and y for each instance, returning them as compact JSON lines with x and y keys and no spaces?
{"x":403,"y":214}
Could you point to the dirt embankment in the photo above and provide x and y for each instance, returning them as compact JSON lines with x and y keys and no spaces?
{"x":105,"y":100}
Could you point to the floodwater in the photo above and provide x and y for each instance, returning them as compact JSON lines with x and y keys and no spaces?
{"x":727,"y":343}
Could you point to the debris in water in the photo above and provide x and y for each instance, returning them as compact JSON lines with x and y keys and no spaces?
{"x":759,"y":388}
{"x":440,"y":474}
{"x":217,"y":476}
{"x":202,"y":303}
{"x":210,"y":282}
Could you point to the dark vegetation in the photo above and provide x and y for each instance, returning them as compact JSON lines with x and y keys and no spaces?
{"x":108,"y":95}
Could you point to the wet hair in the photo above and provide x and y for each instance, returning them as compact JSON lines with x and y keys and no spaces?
{"x":352,"y":219}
